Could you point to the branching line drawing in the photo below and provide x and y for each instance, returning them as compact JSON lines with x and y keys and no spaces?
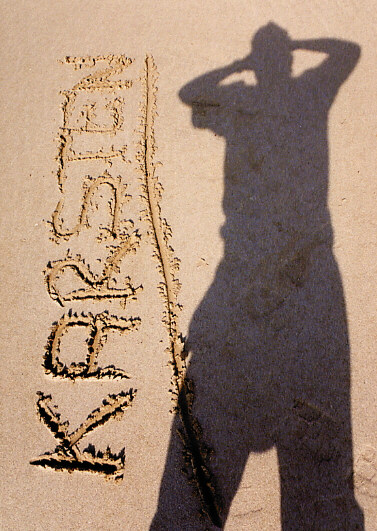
{"x":67,"y":454}
{"x":195,"y":451}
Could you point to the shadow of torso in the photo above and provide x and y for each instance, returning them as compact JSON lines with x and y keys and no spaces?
{"x":271,"y":329}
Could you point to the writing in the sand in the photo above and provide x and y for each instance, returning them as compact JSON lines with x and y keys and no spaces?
{"x":91,"y":149}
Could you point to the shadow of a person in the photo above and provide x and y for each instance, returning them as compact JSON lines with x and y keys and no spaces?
{"x":269,"y":341}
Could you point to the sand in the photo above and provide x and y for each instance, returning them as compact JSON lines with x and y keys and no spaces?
{"x":188,"y":263}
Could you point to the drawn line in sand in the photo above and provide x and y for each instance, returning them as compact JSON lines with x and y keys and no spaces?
{"x":67,"y":454}
{"x":195,"y":451}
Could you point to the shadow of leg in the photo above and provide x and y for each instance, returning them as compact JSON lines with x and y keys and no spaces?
{"x":316,"y":478}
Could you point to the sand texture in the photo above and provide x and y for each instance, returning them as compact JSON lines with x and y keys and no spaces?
{"x":188,"y":266}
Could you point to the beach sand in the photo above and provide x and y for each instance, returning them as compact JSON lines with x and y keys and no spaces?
{"x":128,"y":213}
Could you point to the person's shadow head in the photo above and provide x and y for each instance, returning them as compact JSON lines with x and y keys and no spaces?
{"x":271,"y":55}
{"x":269,"y":342}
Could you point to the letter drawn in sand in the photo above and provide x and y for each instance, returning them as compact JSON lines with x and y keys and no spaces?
{"x":90,"y":188}
{"x":98,"y":327}
{"x":100,"y":80}
{"x":67,"y":454}
{"x":98,"y":286}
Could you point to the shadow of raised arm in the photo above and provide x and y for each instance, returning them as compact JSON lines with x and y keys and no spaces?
{"x":206,"y":89}
{"x":335,"y":69}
